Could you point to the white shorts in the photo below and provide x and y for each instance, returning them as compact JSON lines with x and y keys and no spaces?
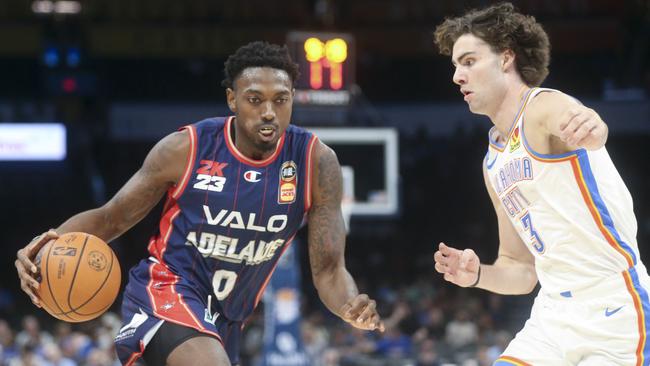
{"x":600,"y":326}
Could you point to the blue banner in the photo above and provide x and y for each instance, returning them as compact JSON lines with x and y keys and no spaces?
{"x":282,"y":340}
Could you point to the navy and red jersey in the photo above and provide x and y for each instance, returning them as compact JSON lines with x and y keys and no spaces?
{"x":223,"y":228}
{"x":227,"y":222}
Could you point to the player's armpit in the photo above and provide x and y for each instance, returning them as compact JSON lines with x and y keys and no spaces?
{"x":162,"y":168}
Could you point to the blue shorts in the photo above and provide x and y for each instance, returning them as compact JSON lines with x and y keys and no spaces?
{"x":154,"y":295}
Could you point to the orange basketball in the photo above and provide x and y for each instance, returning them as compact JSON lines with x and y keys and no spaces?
{"x":80,"y":277}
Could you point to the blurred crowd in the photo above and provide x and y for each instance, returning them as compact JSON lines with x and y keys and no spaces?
{"x":58,"y":343}
{"x":426,"y":325}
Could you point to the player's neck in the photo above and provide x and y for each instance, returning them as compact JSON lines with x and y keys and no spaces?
{"x":505,"y":114}
{"x":246,"y":147}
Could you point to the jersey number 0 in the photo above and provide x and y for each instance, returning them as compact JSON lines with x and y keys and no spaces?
{"x":223,"y":282}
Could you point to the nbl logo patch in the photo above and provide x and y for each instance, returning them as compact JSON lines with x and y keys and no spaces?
{"x":288,"y":184}
{"x":515,"y":140}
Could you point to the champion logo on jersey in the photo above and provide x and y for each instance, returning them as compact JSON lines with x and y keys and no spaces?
{"x":252,"y":176}
{"x":515,"y":140}
{"x":288,"y":182}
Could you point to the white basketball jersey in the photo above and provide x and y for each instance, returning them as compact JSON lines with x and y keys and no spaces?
{"x":573,"y":211}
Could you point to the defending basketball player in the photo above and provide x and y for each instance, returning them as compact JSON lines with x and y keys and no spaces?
{"x":237,"y":190}
{"x":564,"y":214}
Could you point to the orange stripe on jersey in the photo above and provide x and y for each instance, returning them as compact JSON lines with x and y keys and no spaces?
{"x":180,"y":187}
{"x":586,"y":195}
{"x":640,"y":317}
{"x":135,"y":355}
{"x":243,"y":158}
{"x":514,"y":123}
{"x":168,"y":202}
{"x":512,"y":360}
{"x":310,"y":170}
{"x":187,"y":308}
{"x":165,"y":230}
{"x":549,"y":160}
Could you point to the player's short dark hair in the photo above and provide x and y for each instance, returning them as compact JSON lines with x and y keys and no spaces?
{"x":502,"y":28}
{"x":258,"y":54}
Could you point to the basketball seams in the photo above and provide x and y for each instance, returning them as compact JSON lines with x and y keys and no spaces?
{"x":49,"y":285}
{"x":76,"y":270}
{"x":87,"y":314}
{"x":104,"y":284}
{"x":108,"y":275}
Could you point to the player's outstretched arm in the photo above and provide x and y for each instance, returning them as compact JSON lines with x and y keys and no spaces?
{"x":513,"y":273}
{"x":335,"y":285}
{"x":162,"y":168}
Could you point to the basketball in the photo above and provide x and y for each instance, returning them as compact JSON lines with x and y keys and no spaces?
{"x":80,"y":277}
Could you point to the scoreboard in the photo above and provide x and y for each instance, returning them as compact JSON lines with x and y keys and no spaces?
{"x":327,"y":67}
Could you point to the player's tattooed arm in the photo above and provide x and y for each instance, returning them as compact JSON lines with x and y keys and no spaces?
{"x":162,"y":168}
{"x":326,"y":227}
{"x":335,"y":285}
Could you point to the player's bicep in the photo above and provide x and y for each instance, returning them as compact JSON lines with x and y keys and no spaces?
{"x":161,"y":169}
{"x":551,"y":111}
{"x":326,"y":227}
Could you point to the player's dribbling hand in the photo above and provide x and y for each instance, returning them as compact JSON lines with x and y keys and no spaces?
{"x":459,"y":267}
{"x":27,"y":269}
{"x":583,"y":127}
{"x":361,"y":312}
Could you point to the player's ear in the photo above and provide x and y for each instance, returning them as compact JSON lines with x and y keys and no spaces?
{"x":230,"y":98}
{"x":507,"y":59}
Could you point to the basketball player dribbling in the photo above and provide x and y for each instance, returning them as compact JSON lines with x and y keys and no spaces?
{"x":237,"y":190}
{"x":564,"y":214}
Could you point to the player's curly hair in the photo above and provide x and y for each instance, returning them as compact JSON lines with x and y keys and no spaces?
{"x":502,"y":28}
{"x":258,"y":54}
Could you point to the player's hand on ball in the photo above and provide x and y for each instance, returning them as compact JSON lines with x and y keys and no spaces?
{"x":361,"y":312}
{"x":583,"y":127}
{"x":460,"y":267}
{"x":28,"y":270}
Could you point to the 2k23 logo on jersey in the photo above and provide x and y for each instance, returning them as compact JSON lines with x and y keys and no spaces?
{"x":210,"y":176}
{"x":288,"y":183}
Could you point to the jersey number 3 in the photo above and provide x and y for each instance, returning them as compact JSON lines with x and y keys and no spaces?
{"x":209,"y":182}
{"x":537,"y":242}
